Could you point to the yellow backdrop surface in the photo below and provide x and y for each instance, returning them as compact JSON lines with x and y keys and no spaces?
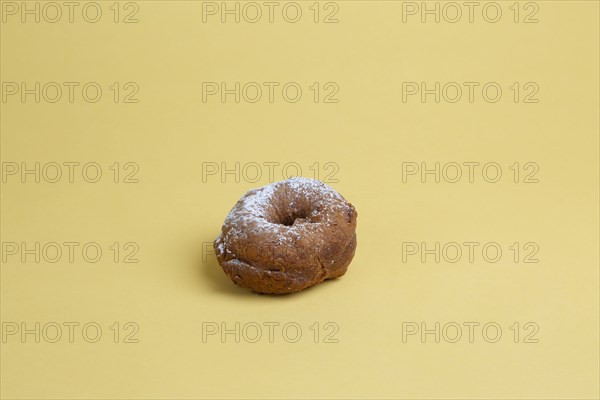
{"x":465,"y":134}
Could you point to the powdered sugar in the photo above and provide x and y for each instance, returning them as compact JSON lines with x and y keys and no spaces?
{"x":256,"y":201}
{"x":249,"y":216}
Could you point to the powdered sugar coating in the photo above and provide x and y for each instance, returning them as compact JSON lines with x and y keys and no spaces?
{"x":255,"y":203}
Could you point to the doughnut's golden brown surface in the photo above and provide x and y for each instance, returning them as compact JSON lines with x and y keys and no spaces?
{"x":287,"y":236}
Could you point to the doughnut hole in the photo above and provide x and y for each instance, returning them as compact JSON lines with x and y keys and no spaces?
{"x":292,"y":219}
{"x":290,"y":209}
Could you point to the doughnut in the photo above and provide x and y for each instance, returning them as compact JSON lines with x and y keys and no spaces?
{"x":287,"y":236}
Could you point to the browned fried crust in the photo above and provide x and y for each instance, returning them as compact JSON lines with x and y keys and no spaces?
{"x":287,"y":236}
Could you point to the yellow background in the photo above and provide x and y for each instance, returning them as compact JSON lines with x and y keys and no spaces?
{"x":171,"y":212}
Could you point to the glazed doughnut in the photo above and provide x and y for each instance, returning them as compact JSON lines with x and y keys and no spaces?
{"x":287,"y":236}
